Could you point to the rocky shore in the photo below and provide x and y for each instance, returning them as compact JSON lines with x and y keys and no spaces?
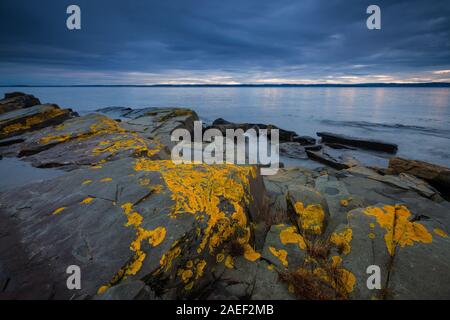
{"x":141,"y":227}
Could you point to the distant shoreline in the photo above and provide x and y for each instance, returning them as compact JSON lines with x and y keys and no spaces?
{"x":319,"y":85}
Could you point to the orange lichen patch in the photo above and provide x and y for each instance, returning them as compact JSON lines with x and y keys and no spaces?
{"x":59,"y":138}
{"x":342,"y":240}
{"x":399,"y":230}
{"x":336,"y":261}
{"x":250,"y":254}
{"x":154,"y":237}
{"x":106,"y":180}
{"x":87,"y":182}
{"x":290,"y":235}
{"x":200,"y":189}
{"x":200,"y":269}
{"x":440,"y":232}
{"x":229,"y":263}
{"x":280,"y":254}
{"x":33,"y":120}
{"x":87,"y":200}
{"x":311,"y":217}
{"x":342,"y":280}
{"x":220,"y":257}
{"x":102,"y":289}
{"x":58,"y":211}
{"x":186,"y":275}
{"x":344,"y":202}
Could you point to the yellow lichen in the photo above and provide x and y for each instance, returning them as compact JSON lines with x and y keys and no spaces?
{"x":440,"y":232}
{"x":87,"y":182}
{"x":250,"y":254}
{"x":154,"y":237}
{"x":311,"y":217}
{"x":229,"y":263}
{"x":399,"y":230}
{"x":200,"y":268}
{"x":342,"y":240}
{"x":290,"y":235}
{"x":280,"y":254}
{"x":87,"y":200}
{"x":106,"y":180}
{"x":200,"y":190}
{"x":220,"y":257}
{"x":59,"y":210}
{"x":186,"y":275}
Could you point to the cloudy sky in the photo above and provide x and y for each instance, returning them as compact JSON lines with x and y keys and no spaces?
{"x":217,"y":41}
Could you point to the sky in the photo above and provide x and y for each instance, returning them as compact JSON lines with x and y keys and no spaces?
{"x":223,"y":42}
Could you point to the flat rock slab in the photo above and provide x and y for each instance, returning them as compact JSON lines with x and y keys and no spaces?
{"x":358,"y":142}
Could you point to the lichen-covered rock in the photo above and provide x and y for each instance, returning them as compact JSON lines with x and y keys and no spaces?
{"x":139,"y":219}
{"x":309,"y":209}
{"x":155,"y":123}
{"x":411,"y":252}
{"x":17,"y":100}
{"x":89,"y":140}
{"x":37,"y":117}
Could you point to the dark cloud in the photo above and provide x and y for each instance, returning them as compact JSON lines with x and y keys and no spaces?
{"x":207,"y":40}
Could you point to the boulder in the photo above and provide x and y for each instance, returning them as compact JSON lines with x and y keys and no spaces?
{"x":377,"y":145}
{"x":17,"y":100}
{"x":437,"y":176}
{"x":395,"y":240}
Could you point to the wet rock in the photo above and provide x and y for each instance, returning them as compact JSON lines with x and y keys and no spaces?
{"x":315,"y":147}
{"x":293,"y":150}
{"x":437,"y":176}
{"x":33,"y":118}
{"x":304,"y":140}
{"x":324,"y":158}
{"x":17,"y":100}
{"x":328,"y":137}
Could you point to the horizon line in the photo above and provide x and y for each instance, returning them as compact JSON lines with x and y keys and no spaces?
{"x":375,"y":84}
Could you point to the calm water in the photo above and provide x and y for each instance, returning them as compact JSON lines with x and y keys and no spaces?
{"x":417,"y":119}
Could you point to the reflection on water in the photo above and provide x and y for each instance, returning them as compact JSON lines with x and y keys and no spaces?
{"x":405,"y":116}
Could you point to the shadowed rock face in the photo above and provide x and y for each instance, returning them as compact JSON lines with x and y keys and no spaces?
{"x":141,"y":227}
